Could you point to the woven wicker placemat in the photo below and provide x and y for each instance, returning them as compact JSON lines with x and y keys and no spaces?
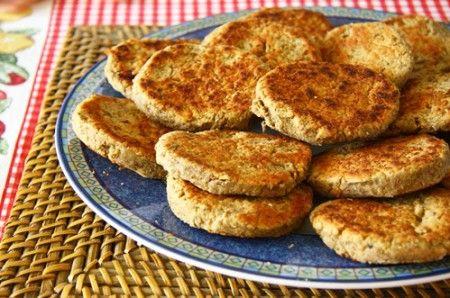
{"x":54,"y":245}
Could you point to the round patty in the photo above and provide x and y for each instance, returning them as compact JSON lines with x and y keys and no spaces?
{"x":126,"y":58}
{"x":238,"y":216}
{"x":374,"y":45}
{"x":324,"y":103}
{"x":410,"y":229}
{"x":117,"y":130}
{"x":424,"y":103}
{"x":309,"y":24}
{"x":191,"y":87}
{"x":270,"y":41}
{"x":232,"y":162}
{"x":429,"y":40}
{"x":384,"y":168}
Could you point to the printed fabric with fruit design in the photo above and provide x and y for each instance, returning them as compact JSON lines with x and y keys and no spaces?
{"x":11,"y":72}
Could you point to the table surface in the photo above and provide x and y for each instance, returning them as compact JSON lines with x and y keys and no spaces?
{"x":54,"y":245}
{"x":29,"y":46}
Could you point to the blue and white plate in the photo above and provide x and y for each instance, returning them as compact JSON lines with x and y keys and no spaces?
{"x":138,"y":208}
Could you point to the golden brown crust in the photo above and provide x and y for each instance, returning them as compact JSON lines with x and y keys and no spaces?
{"x":126,"y":58}
{"x":238,"y":216}
{"x":232,"y":162}
{"x":411,"y":229}
{"x":300,"y":22}
{"x":270,"y":41}
{"x":322,"y":103}
{"x":384,"y":168}
{"x":375,"y":45}
{"x":446,"y":180}
{"x":117,"y":130}
{"x":192,"y":87}
{"x":424,"y":102}
{"x":429,"y":40}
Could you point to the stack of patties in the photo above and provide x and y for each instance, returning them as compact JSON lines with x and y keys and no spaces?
{"x":425,"y":100}
{"x":388,"y":210}
{"x":181,"y":84}
{"x":414,"y":53}
{"x":236,"y":183}
{"x":114,"y":127}
{"x":343,"y":88}
{"x":127,"y":58}
{"x":168,"y":84}
{"x":211,"y":85}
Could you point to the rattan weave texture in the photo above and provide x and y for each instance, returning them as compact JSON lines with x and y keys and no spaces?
{"x":54,"y":245}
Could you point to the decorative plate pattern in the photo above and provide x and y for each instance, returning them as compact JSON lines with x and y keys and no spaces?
{"x":137,"y":207}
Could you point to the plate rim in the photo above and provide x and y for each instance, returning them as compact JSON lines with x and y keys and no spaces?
{"x":203,"y":263}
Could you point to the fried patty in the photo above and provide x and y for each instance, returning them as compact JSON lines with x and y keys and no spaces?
{"x":429,"y":40}
{"x":238,"y":216}
{"x":232,"y":162}
{"x":409,"y":229}
{"x":126,"y":58}
{"x":386,"y":168}
{"x":304,"y":23}
{"x":192,"y":87}
{"x":324,"y":103}
{"x":425,"y":102}
{"x":375,"y":45}
{"x":117,"y":130}
{"x":271,"y":41}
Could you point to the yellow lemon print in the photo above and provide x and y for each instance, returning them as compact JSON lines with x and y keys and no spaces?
{"x":13,"y":42}
{"x":9,"y":16}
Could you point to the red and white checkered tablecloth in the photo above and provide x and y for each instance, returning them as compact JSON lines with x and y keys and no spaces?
{"x":66,"y":13}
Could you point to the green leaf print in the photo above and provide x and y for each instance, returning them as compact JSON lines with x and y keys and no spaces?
{"x":3,"y":146}
{"x":26,"y":31}
{"x":9,"y":58}
{"x":4,"y":104}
